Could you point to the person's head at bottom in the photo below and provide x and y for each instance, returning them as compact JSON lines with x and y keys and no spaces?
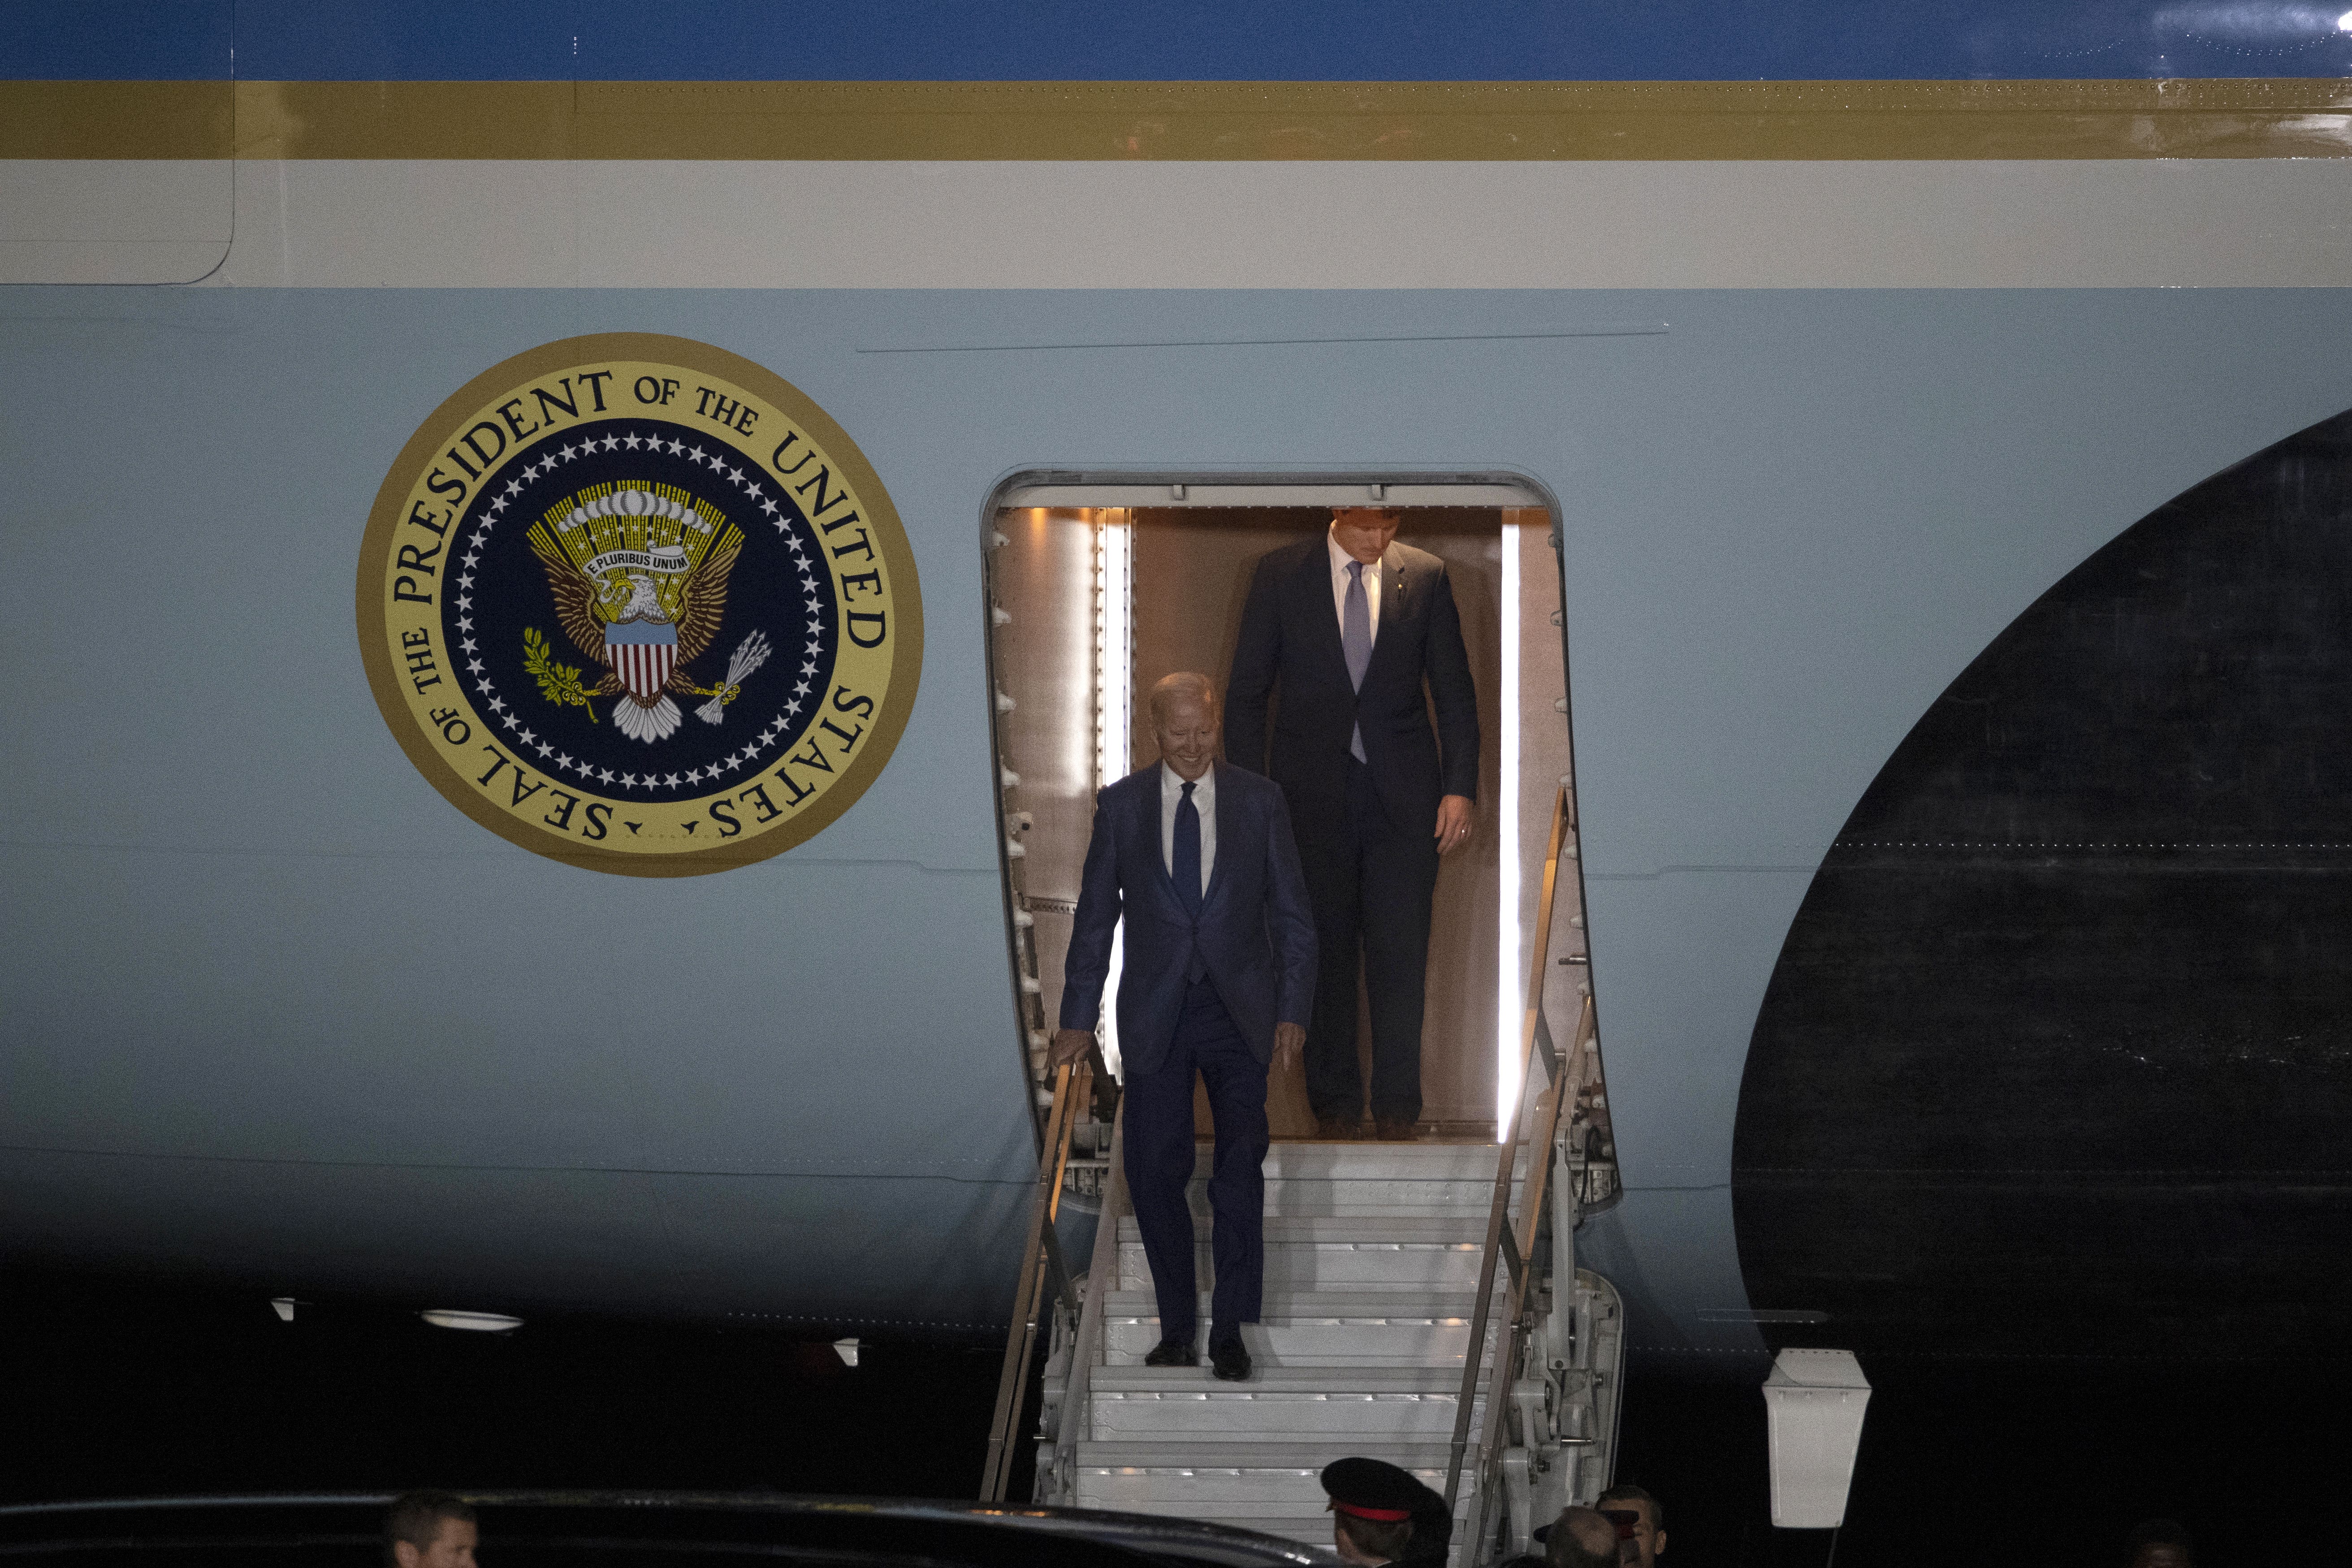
{"x":1580,"y":1538}
{"x":1369,"y":1541}
{"x":2161,"y":1543}
{"x":1374,"y":1507}
{"x":1647,"y":1528}
{"x":429,"y":1530}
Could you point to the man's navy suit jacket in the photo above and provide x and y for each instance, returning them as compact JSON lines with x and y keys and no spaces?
{"x":1255,"y":931}
{"x":1290,"y":636}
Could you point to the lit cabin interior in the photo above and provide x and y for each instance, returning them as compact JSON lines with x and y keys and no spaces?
{"x":1094,"y":596}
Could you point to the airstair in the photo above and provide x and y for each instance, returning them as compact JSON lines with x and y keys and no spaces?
{"x":1399,"y":1277}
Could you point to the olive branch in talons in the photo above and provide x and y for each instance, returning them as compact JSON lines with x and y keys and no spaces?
{"x":750,"y":654}
{"x":559,"y":683}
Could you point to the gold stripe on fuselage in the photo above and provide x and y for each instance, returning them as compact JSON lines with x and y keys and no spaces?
{"x":1197,"y":122}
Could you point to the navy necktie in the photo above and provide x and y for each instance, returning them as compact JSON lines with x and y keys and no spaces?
{"x":1186,"y":874}
{"x":1184,"y":862}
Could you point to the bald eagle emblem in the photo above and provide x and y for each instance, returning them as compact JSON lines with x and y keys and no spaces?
{"x":639,"y":576}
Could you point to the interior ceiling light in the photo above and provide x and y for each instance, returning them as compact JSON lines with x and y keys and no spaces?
{"x":1509,"y":1019}
{"x":480,"y":1322}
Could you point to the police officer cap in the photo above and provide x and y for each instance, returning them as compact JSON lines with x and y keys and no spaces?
{"x":1367,"y":1489}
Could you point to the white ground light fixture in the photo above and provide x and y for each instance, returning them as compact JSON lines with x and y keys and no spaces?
{"x":1814,"y":1402}
{"x":478,"y":1323}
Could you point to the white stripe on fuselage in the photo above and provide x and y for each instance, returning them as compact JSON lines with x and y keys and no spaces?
{"x":659,"y":225}
{"x":2221,"y":223}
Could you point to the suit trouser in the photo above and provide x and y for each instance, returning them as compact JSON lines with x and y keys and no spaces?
{"x":1160,"y":1164}
{"x":1370,"y":884}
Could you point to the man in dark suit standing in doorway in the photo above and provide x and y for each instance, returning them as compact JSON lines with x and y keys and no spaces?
{"x":1351,"y":626}
{"x":1219,"y":975}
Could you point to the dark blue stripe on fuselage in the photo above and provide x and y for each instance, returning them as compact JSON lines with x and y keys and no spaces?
{"x":1163,"y":40}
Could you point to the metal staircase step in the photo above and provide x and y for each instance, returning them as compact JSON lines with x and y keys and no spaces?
{"x":1305,"y":1180}
{"x":1341,"y":1254}
{"x":1370,"y":1161}
{"x":1276,"y":1480}
{"x":1364,"y":1404}
{"x":1317,"y":1328}
{"x":1307,"y":1197}
{"x":1320,"y":1230}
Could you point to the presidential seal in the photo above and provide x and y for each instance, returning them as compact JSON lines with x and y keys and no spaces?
{"x":638,"y":605}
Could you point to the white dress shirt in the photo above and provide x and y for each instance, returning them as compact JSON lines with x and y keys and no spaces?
{"x":1341,"y":561}
{"x":1204,"y":801}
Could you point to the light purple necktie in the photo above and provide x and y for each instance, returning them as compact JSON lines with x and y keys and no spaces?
{"x":1356,"y":642}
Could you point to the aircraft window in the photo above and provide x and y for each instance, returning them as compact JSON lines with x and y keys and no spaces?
{"x":1097,"y":588}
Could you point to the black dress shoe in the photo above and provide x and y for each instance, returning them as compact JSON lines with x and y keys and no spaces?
{"x":1395,"y":1132}
{"x":1172,"y":1352}
{"x":1336,"y":1127}
{"x":1229,"y":1359}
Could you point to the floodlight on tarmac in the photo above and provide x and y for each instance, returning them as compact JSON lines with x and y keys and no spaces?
{"x":480,"y":1322}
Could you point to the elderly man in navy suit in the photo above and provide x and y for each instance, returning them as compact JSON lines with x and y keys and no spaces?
{"x":1219,"y":976}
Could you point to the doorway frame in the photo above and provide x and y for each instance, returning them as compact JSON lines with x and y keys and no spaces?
{"x":1207,"y":486}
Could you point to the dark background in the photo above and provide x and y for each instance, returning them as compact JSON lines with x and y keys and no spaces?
{"x":1986,"y":1463}
{"x":2045,"y":1115}
{"x":121,"y":1387}
{"x":2057,"y":1058}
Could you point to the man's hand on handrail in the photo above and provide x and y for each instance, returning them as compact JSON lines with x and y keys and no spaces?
{"x":1069,"y":1048}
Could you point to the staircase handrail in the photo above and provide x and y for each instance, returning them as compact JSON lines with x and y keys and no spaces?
{"x":1102,"y":1273}
{"x":1041,"y":1264}
{"x":1514,"y":1252}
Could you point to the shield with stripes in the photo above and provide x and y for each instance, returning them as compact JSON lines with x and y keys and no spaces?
{"x":642,"y":653}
